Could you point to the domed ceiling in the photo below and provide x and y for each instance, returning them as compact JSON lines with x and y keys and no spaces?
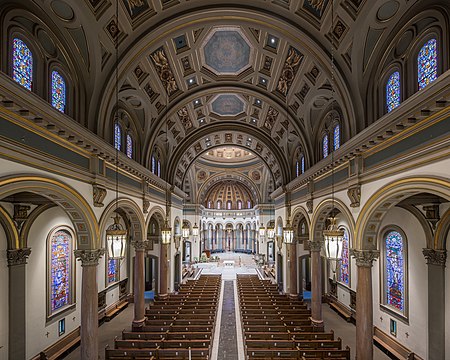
{"x":228,"y":195}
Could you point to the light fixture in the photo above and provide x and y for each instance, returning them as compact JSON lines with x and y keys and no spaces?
{"x":333,"y":236}
{"x":116,"y":239}
{"x":195,"y":230}
{"x":116,"y":235}
{"x":185,"y":230}
{"x":288,"y":233}
{"x":270,"y":231}
{"x":262,"y":231}
{"x":166,"y":231}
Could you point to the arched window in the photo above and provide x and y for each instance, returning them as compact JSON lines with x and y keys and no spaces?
{"x":427,"y":63}
{"x":113,"y":271}
{"x":58,"y":91}
{"x":344,"y":270}
{"x":325,"y":146}
{"x":60,"y":274}
{"x":393,"y":91}
{"x":336,"y":137}
{"x":394,"y":270}
{"x":158,"y":168}
{"x":153,"y":164}
{"x":297,"y":168}
{"x":239,"y":205}
{"x":219,"y":204}
{"x":249,"y":204}
{"x":129,"y":146}
{"x":22,"y":64}
{"x":209,"y":204}
{"x":117,"y":136}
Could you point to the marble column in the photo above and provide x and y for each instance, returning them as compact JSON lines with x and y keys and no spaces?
{"x":364,"y":303}
{"x":316,"y":284}
{"x":89,"y":302}
{"x":17,"y":259}
{"x":139,"y":283}
{"x":163,"y":270}
{"x":292,"y":251}
{"x":436,"y":260}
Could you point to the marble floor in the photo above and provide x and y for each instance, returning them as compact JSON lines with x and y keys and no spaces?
{"x":228,"y":327}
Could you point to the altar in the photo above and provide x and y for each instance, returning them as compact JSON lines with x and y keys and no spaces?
{"x":228,"y":263}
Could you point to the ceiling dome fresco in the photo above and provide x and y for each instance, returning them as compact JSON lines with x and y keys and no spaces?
{"x":229,"y":195}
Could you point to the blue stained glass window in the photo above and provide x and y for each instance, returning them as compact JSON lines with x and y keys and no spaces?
{"x":60,"y":251}
{"x":117,"y":136}
{"x":249,"y":204}
{"x":159,"y":168}
{"x":395,"y":282}
{"x":393,"y":91}
{"x":113,"y":270}
{"x":344,"y":275}
{"x":129,"y":146}
{"x":153,"y":164}
{"x":58,"y":91}
{"x":427,"y":63}
{"x":22,"y":64}
{"x":325,"y":146}
{"x":297,"y":168}
{"x":336,"y":137}
{"x":302,"y":164}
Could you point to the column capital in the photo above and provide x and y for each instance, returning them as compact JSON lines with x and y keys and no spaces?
{"x":18,"y":256}
{"x":89,"y":257}
{"x":315,"y":245}
{"x":365,"y":258}
{"x":435,"y":257}
{"x":140,"y":244}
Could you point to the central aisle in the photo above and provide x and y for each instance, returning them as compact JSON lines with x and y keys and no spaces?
{"x":228,"y":349}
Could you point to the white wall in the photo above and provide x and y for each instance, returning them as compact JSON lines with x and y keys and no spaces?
{"x":4,"y":307}
{"x":414,"y":334}
{"x":37,"y":326}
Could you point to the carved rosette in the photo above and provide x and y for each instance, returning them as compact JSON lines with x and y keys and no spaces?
{"x":140,"y":244}
{"x":18,"y":256}
{"x":89,"y":257}
{"x":315,"y":245}
{"x":365,"y":258}
{"x":435,"y":257}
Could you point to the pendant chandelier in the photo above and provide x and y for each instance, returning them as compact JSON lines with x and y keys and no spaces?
{"x":166,"y":231}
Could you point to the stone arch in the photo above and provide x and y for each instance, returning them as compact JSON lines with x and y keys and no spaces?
{"x":442,"y":229}
{"x":298,"y":215}
{"x":132,"y":213}
{"x":372,"y":214}
{"x":320,"y":216}
{"x":158,"y":213}
{"x":12,"y":235}
{"x":63,"y":195}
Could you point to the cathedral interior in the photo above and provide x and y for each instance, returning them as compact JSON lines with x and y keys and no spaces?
{"x":179,"y":156}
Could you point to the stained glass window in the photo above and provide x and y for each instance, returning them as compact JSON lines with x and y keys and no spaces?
{"x":58,"y":91}
{"x":113,"y":270}
{"x":249,"y":204}
{"x":239,"y":203}
{"x":153,"y":164}
{"x":325,"y":145}
{"x":209,"y":204}
{"x":22,"y":64}
{"x":336,"y":137}
{"x":297,"y":168}
{"x":344,"y":274}
{"x":129,"y":146}
{"x":394,"y":281}
{"x":219,"y":204}
{"x":393,"y":91}
{"x":228,"y":205}
{"x":60,"y":269}
{"x":302,"y":164}
{"x":427,"y":63}
{"x":159,"y":168}
{"x":117,"y":136}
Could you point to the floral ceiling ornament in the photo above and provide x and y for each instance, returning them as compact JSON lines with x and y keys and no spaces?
{"x":290,"y":68}
{"x":164,"y":71}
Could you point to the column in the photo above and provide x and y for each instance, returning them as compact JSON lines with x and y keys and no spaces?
{"x":364,"y":303}
{"x":139,"y":283}
{"x":17,"y":259}
{"x":292,"y":251}
{"x":163,"y":270}
{"x":89,"y":302}
{"x":316,"y":284}
{"x":436,"y":260}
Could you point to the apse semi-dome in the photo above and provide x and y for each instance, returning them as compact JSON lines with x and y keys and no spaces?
{"x":229,"y":195}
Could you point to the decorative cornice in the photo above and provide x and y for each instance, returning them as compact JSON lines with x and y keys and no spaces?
{"x":18,"y":256}
{"x":315,"y":245}
{"x":140,"y":244}
{"x":89,"y":257}
{"x":435,"y":257}
{"x":365,"y":258}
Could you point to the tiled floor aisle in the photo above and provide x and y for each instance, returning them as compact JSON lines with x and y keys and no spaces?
{"x":228,"y":349}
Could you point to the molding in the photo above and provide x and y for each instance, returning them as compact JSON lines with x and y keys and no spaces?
{"x":315,"y":245}
{"x":18,"y":256}
{"x":89,"y":257}
{"x":435,"y":257}
{"x":365,"y":258}
{"x":140,"y":244}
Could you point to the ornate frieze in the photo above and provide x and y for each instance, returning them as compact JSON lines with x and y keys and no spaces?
{"x":89,"y":257}
{"x":435,"y":257}
{"x":365,"y":258}
{"x":290,"y":68}
{"x":164,"y":71}
{"x":18,"y":256}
